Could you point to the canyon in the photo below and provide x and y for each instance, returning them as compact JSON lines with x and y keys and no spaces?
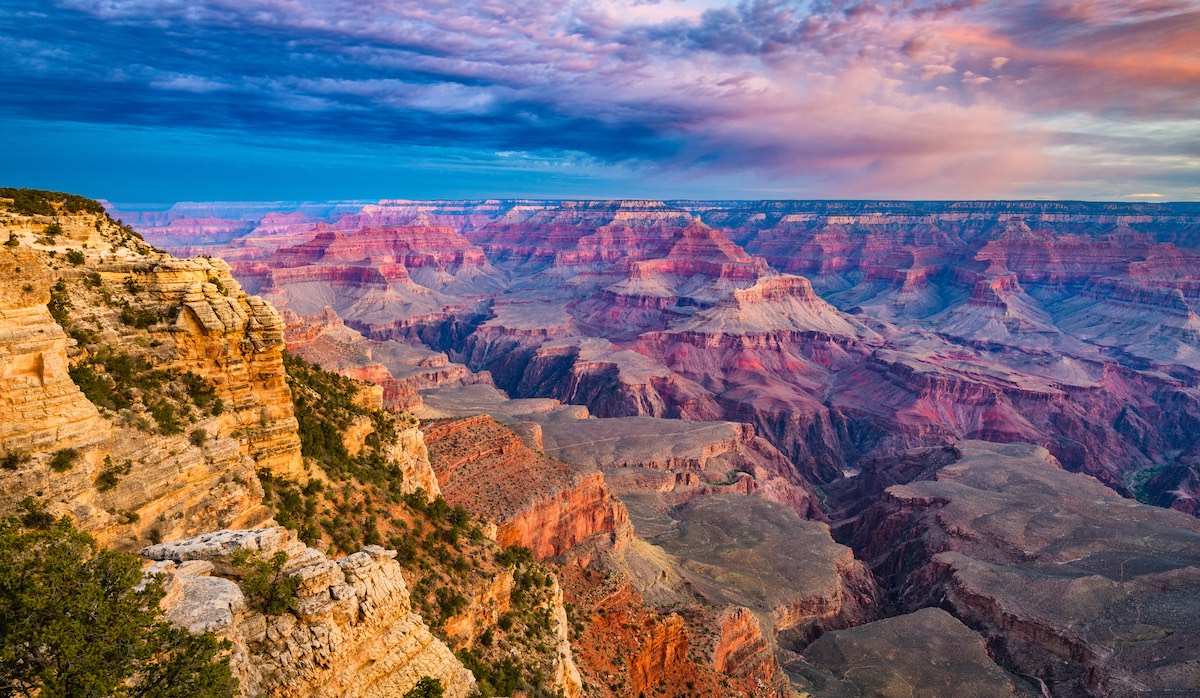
{"x":743,"y":373}
{"x":842,"y":331}
{"x":632,"y":447}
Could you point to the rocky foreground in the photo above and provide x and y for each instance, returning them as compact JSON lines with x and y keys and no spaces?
{"x":628,"y":448}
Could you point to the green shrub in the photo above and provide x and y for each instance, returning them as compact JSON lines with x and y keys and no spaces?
{"x":35,"y":516}
{"x":458,"y":516}
{"x":14,"y":460}
{"x":266,"y":587}
{"x":98,"y":387}
{"x":202,"y":393}
{"x":75,"y":257}
{"x":514,"y":555}
{"x":110,"y":476}
{"x":449,"y":601}
{"x":64,"y":460}
{"x":166,"y":416}
{"x":78,"y":621}
{"x":198,"y":436}
{"x":141,"y":318}
{"x":38,"y":202}
{"x":60,"y":303}
{"x":107,"y":480}
{"x":53,"y":230}
{"x":438,"y":508}
{"x":83,"y":335}
{"x":405,"y":547}
{"x":427,"y":687}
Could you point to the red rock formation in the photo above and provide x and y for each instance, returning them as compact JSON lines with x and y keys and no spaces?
{"x":663,"y":649}
{"x":742,"y":651}
{"x":537,"y":502}
{"x":626,"y":647}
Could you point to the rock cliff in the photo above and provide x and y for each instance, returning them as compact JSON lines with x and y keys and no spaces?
{"x":183,"y":397}
{"x":350,"y":630}
{"x":1008,"y":541}
{"x":545,"y":505}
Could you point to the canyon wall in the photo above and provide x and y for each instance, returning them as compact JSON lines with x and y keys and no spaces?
{"x":545,"y":505}
{"x":1007,"y":541}
{"x":136,"y":469}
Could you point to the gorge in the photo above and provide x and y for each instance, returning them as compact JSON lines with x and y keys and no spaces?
{"x":622,"y":448}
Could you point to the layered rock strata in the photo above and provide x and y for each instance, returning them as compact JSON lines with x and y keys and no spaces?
{"x":120,"y":477}
{"x":350,"y":631}
{"x":1090,"y":593}
{"x":538,"y":502}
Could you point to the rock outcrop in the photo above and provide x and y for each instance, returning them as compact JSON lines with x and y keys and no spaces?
{"x":1088,"y":592}
{"x":741,"y":650}
{"x":928,"y":652}
{"x":125,"y":472}
{"x":350,"y":631}
{"x":41,"y":408}
{"x":543,"y":504}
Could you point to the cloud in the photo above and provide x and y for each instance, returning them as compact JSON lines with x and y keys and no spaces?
{"x":924,"y":97}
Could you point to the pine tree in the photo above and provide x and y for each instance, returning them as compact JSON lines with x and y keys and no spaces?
{"x":76,"y":621}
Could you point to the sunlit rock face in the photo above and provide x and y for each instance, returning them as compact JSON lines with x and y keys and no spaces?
{"x":120,"y":303}
{"x":537,"y":502}
{"x":351,"y":631}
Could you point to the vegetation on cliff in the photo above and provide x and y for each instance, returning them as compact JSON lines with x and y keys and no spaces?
{"x":267,"y":587}
{"x":168,"y":390}
{"x":326,"y":408}
{"x":447,"y":558}
{"x":38,"y":202}
{"x":80,"y":620}
{"x":126,"y":377}
{"x":130,"y":385}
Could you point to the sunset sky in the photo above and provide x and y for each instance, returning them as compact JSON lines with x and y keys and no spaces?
{"x":163,"y":100}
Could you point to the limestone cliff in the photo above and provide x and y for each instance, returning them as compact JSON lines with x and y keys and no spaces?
{"x":150,"y":398}
{"x":183,"y":397}
{"x":350,"y":632}
{"x":40,"y":407}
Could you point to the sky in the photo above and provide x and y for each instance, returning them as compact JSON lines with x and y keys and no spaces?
{"x":168,"y":100}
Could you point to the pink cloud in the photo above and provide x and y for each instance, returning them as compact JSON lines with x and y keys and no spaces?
{"x":961,"y":98}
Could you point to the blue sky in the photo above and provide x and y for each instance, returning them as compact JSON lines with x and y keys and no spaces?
{"x":165,"y":100}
